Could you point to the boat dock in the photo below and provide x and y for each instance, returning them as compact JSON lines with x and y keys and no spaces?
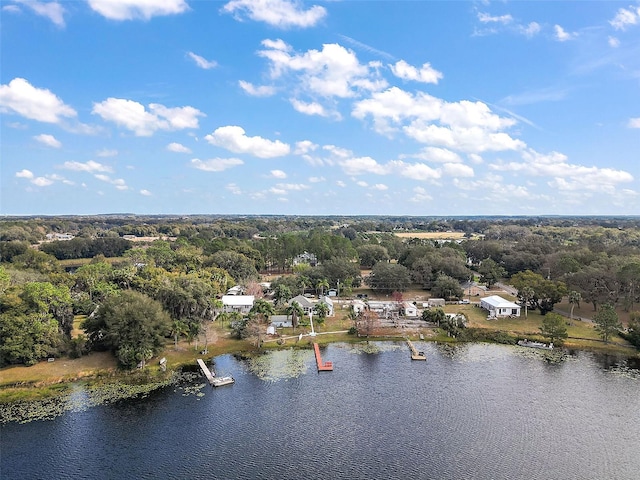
{"x":211,"y":377}
{"x":415,"y":354}
{"x":322,"y":366}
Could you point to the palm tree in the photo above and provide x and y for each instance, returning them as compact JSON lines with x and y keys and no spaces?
{"x":296,"y":311}
{"x":321,"y":285}
{"x":526,"y":294}
{"x":178,"y":328}
{"x":322,"y":310}
{"x":574,"y":300}
{"x":263,"y":309}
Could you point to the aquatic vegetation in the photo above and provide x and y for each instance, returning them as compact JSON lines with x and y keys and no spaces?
{"x":81,"y":397}
{"x":280,"y":364}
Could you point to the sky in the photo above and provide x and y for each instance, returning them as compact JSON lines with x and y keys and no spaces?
{"x":447,"y":108}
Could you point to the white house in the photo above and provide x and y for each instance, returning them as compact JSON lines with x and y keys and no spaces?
{"x":410,"y":310}
{"x":237,"y":303}
{"x":500,"y":307}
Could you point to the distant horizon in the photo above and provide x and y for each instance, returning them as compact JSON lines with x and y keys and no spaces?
{"x":305,"y":107}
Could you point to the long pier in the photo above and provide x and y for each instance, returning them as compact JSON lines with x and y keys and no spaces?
{"x":415,"y":354}
{"x":322,"y":366}
{"x":211,"y":377}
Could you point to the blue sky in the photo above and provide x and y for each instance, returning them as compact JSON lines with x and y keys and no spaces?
{"x":337,"y":107}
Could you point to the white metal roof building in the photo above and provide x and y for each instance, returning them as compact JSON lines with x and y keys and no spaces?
{"x":500,"y":307}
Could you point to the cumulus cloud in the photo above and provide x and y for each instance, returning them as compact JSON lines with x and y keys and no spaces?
{"x":215,"y":164}
{"x":278,"y":13}
{"x":420,"y":195}
{"x":380,"y":186}
{"x":362,"y":165}
{"x":257,"y":91}
{"x":311,"y":108}
{"x":20,"y":97}
{"x":202,"y":62}
{"x":137,"y":9}
{"x":91,"y":166}
{"x":561,"y":34}
{"x":105,"y":152}
{"x":487,"y":18}
{"x":51,"y":10}
{"x":426,"y":73}
{"x":48,"y":140}
{"x":465,"y":126}
{"x":625,"y":17}
{"x":144,"y":123}
{"x":565,"y":175}
{"x":440,"y":155}
{"x":234,"y":139}
{"x":530,"y":30}
{"x":178,"y":148}
{"x":613,"y":42}
{"x":634,"y":122}
{"x":233,"y":188}
{"x":25,"y":174}
{"x":119,"y":183}
{"x":278,"y":174}
{"x":333,"y":71}
{"x":145,"y":192}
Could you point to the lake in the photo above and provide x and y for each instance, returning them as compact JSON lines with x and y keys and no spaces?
{"x":474,"y":411}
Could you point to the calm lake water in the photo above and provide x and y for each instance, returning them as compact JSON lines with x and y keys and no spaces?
{"x":475,"y":411}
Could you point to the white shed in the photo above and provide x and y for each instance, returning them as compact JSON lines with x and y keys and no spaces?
{"x":500,"y":307}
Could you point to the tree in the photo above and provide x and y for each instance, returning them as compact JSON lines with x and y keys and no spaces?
{"x":526,"y":296}
{"x":281,"y":294}
{"x":574,"y":301}
{"x":131,"y":325}
{"x":296,"y":311}
{"x":321,"y":285}
{"x":178,"y":328}
{"x":262,"y":309}
{"x":607,"y":322}
{"x":371,"y":254}
{"x":322,"y":310}
{"x":389,"y":277}
{"x":554,"y":328}
{"x":453,"y":324}
{"x":46,"y":298}
{"x":367,"y":322}
{"x":490,"y":272}
{"x":434,"y":315}
{"x":446,"y":287}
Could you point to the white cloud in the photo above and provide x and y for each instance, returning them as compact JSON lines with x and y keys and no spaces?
{"x":304,"y":147}
{"x":415,"y":171}
{"x":202,"y":62}
{"x":487,"y":18}
{"x":279,"y":13}
{"x":233,"y":188}
{"x":20,"y":97}
{"x":257,"y":91}
{"x":42,"y":181}
{"x":119,"y":183}
{"x":51,"y":10}
{"x":312,"y":108}
{"x":215,"y":164}
{"x":107,"y":153}
{"x":178,"y":148}
{"x":561,"y":35}
{"x":625,"y":17}
{"x":426,"y":73}
{"x":317,"y":179}
{"x":457,"y":170}
{"x":24,"y":174}
{"x":380,"y":186}
{"x":440,"y":155}
{"x":362,"y":165}
{"x":613,"y":42}
{"x":135,"y":117}
{"x":278,"y":174}
{"x":137,"y":9}
{"x":48,"y":140}
{"x":91,"y":166}
{"x":333,"y":71}
{"x":420,"y":195}
{"x":341,"y":184}
{"x":362,"y":183}
{"x":530,"y":30}
{"x":566,"y":176}
{"x":634,"y":122}
{"x":234,"y":139}
{"x":145,"y":192}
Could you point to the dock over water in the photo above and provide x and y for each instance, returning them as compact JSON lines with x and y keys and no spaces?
{"x":322,"y":366}
{"x":415,"y":354}
{"x":211,"y":377}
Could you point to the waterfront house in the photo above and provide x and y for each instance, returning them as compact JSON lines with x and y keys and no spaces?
{"x":500,"y":307}
{"x":237,"y":303}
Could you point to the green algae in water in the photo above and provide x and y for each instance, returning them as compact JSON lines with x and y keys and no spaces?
{"x":280,"y":364}
{"x":81,"y":397}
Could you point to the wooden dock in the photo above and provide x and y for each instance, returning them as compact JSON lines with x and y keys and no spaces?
{"x":415,"y":354}
{"x":211,"y":377}
{"x":322,"y":366}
